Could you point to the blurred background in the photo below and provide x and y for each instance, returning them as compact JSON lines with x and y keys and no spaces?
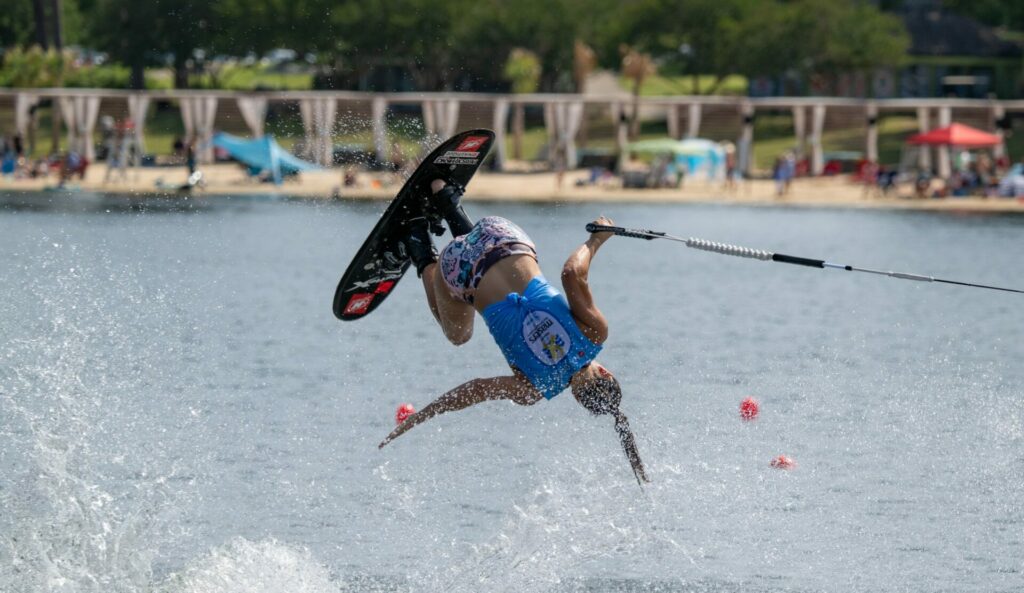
{"x":890,"y":69}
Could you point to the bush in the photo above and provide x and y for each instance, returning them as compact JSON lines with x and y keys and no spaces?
{"x":523,"y":70}
{"x":34,"y":67}
{"x":99,"y":77}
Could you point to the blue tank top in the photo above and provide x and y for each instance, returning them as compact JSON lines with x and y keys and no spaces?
{"x":538,"y":335}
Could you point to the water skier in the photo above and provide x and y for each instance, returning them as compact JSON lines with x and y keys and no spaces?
{"x":549,"y":340}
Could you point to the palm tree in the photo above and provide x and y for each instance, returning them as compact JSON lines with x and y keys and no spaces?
{"x":637,"y":66}
{"x":583,"y":62}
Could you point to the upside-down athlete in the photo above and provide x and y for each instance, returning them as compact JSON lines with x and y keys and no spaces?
{"x":550,"y":341}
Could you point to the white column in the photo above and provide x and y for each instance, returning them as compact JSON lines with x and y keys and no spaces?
{"x":207,"y":110}
{"x":871,"y":147}
{"x":318,"y":123}
{"x":306,"y":109}
{"x":187,"y":121}
{"x":80,"y":114}
{"x":621,"y":132}
{"x":325,"y":131}
{"x":429,"y":121}
{"x":198,"y":115}
{"x":562,"y":121}
{"x":551,"y":127}
{"x":23,"y":104}
{"x":518,"y":127}
{"x":817,"y":126}
{"x":90,"y":110}
{"x":672,"y":118}
{"x":67,"y":113}
{"x":451,"y":118}
{"x":138,"y":105}
{"x":441,"y":118}
{"x":924,"y":154}
{"x":500,"y":124}
{"x":800,"y":128}
{"x":378,"y":108}
{"x":693,"y":121}
{"x":254,"y":112}
{"x":745,"y":158}
{"x":998,"y":113}
{"x":209,"y":113}
{"x":945,"y":119}
{"x":569,"y":127}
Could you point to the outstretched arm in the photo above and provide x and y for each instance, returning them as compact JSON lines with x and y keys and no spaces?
{"x":514,"y":388}
{"x":577,"y":289}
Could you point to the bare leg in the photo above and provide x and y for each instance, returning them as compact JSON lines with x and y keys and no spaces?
{"x":454,"y":316}
{"x":514,"y":388}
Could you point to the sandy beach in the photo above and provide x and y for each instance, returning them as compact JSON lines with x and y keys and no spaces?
{"x":228,"y":179}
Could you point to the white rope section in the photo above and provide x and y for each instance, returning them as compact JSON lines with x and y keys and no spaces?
{"x":726,"y":249}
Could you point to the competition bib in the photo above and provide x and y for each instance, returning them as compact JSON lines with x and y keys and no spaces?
{"x":546,"y":337}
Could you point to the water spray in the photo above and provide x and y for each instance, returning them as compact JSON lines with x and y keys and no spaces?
{"x":737,"y":251}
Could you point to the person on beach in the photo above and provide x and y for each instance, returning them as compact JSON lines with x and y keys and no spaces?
{"x":550,"y":341}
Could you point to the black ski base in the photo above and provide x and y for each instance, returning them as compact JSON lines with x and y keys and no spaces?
{"x":382,"y":261}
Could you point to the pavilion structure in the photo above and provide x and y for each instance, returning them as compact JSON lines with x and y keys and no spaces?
{"x":442,"y":114}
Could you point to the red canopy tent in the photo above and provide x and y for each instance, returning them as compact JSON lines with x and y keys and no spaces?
{"x":957,"y":135}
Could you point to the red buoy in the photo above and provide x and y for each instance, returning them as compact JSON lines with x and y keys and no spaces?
{"x":749,"y":408}
{"x":403,"y":412}
{"x":783,"y":462}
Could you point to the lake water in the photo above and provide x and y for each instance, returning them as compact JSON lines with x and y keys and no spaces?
{"x":180,"y":412}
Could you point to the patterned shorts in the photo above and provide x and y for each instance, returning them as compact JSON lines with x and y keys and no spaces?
{"x":466,"y":259}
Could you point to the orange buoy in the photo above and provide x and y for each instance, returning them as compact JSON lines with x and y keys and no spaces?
{"x":783,"y":462}
{"x":749,"y":408}
{"x":403,"y":412}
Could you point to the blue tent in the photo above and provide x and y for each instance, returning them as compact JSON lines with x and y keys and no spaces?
{"x":263,"y":155}
{"x":703,"y":155}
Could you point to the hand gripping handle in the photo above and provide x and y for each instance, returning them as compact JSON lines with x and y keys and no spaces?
{"x":623,"y":232}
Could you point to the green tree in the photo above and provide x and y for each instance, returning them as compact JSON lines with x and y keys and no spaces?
{"x":421,"y":35}
{"x":139,"y":34}
{"x":687,"y":36}
{"x":126,"y":31}
{"x":818,"y":39}
{"x":996,"y":13}
{"x":546,"y":28}
{"x":523,"y":70}
{"x":637,"y":67}
{"x":185,"y":26}
{"x":17,"y":25}
{"x":244,"y":26}
{"x":815,"y":38}
{"x":34,"y":67}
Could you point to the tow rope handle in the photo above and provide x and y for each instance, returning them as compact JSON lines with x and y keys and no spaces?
{"x":623,"y":232}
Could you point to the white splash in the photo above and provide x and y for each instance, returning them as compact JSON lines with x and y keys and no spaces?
{"x":243,"y":566}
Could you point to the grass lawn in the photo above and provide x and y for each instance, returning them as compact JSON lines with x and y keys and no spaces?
{"x":773,"y":135}
{"x":247,"y":78}
{"x":660,"y":86}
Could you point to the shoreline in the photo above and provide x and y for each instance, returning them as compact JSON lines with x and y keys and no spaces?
{"x":227,"y":180}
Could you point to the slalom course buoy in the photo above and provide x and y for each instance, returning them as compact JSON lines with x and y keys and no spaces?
{"x":403,"y":412}
{"x":749,"y":409}
{"x":783,"y":462}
